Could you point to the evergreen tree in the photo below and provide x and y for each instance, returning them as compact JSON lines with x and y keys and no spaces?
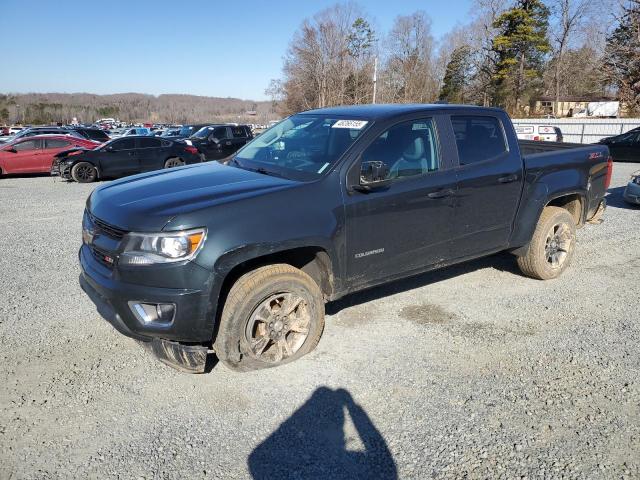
{"x":520,"y":46}
{"x":360,"y":43}
{"x":456,"y":76}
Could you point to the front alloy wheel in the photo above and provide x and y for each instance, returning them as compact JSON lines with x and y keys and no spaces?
{"x":272,"y":315}
{"x":278,"y":327}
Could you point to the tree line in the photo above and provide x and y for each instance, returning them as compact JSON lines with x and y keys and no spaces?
{"x":507,"y":55}
{"x":48,"y":108}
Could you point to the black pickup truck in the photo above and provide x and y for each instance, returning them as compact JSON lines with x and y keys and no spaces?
{"x":239,"y":259}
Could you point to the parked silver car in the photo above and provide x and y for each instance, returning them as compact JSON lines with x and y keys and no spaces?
{"x":632,"y":192}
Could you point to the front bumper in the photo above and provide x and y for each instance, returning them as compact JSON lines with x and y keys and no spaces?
{"x":194,"y":312}
{"x":62,"y":170}
{"x":632,"y":193}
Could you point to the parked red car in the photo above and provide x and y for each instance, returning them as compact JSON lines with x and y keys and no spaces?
{"x":35,"y":154}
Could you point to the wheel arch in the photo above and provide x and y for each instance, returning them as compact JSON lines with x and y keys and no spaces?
{"x":315,"y":261}
{"x":574,"y":201}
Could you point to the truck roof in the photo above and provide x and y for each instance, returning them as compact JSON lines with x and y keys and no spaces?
{"x":381,"y":111}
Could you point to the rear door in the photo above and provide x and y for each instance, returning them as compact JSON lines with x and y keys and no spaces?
{"x":27,"y":157}
{"x":51,"y":147}
{"x":489,"y":178}
{"x":407,"y":226}
{"x":121,"y":159}
{"x":150,"y":152}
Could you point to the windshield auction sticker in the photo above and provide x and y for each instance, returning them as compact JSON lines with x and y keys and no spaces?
{"x":352,"y":124}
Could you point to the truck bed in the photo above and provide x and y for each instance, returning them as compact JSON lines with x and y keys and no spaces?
{"x":530,"y":147}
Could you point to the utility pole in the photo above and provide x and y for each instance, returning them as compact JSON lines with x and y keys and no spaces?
{"x":375,"y":78}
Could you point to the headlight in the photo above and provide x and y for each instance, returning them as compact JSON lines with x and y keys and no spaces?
{"x":153,"y":248}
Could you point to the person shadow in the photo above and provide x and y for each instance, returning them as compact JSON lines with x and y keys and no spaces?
{"x":315,"y":442}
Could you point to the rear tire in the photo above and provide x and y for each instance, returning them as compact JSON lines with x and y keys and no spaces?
{"x":84,"y":172}
{"x":174,"y":162}
{"x":273,"y":315}
{"x":552,"y":245}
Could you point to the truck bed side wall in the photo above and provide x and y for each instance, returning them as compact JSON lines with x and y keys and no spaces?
{"x":555,"y":174}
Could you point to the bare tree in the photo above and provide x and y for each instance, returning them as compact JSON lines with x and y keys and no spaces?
{"x":410,"y":74}
{"x":568,"y":17}
{"x":321,"y":58}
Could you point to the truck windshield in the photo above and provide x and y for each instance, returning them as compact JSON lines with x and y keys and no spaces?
{"x":301,"y":147}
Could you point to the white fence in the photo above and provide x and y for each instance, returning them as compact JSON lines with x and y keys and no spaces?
{"x":584,"y":130}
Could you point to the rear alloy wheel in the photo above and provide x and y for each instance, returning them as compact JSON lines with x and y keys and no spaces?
{"x":552,"y":246}
{"x":84,"y":172}
{"x":272,"y":316}
{"x":174,"y":162}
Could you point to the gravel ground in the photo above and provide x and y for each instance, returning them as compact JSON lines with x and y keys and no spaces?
{"x":472,"y":371}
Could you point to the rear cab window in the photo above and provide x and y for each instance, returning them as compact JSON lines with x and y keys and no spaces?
{"x":478,"y":138}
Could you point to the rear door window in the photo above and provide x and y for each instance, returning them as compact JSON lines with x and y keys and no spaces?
{"x":149,"y":142}
{"x":55,"y":143}
{"x":478,"y":138}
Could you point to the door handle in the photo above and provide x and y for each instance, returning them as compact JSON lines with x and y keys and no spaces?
{"x":441,"y":193}
{"x":508,"y":179}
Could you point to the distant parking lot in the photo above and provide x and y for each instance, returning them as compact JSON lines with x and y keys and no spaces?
{"x":470,"y":371}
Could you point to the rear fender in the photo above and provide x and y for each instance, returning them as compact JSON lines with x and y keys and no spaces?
{"x":538,"y":194}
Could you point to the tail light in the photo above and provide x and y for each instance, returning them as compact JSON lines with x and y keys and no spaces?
{"x":607,"y":178}
{"x":536,"y":138}
{"x":191,"y":149}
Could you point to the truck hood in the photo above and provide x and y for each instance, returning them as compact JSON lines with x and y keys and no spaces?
{"x":147,"y":202}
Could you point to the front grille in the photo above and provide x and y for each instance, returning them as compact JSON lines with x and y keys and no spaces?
{"x":109,"y":230}
{"x":102,"y":257}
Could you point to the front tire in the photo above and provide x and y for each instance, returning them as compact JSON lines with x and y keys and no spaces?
{"x":273,"y":315}
{"x":84,"y":172}
{"x":552,"y":245}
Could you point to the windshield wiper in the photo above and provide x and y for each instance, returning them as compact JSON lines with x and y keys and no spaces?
{"x":261,"y":170}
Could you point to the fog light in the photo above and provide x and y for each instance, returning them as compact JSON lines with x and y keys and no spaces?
{"x":153,"y":313}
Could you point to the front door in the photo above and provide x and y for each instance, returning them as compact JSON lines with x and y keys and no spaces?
{"x":489,"y":178}
{"x":119,"y":158}
{"x":404,"y":227}
{"x":26,"y":158}
{"x":219,"y":144}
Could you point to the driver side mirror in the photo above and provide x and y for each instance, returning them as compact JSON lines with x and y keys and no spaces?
{"x":373,"y":175}
{"x":11,"y":150}
{"x":109,"y":149}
